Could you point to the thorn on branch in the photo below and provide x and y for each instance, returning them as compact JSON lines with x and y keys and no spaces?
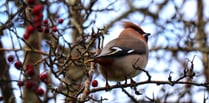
{"x":170,"y":77}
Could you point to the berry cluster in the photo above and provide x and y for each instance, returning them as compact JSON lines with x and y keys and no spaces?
{"x":37,"y":12}
{"x":29,"y":72}
{"x":38,"y":23}
{"x":46,"y":26}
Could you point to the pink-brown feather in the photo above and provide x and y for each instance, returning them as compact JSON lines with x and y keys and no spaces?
{"x":127,"y":24}
{"x":131,"y":29}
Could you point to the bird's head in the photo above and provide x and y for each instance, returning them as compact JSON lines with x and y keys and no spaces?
{"x":133,"y":29}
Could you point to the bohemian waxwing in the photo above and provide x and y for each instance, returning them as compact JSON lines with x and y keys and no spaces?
{"x":119,"y":57}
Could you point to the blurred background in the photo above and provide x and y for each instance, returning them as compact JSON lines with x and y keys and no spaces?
{"x":67,"y":32}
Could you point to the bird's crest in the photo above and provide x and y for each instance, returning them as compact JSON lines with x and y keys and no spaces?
{"x":127,"y":24}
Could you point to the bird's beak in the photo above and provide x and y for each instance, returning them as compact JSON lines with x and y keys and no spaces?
{"x":146,"y":34}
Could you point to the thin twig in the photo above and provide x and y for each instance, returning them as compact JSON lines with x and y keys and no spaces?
{"x":25,"y":49}
{"x":87,"y":82}
{"x":129,"y":95}
{"x":149,"y":82}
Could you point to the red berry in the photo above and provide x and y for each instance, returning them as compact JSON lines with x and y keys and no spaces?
{"x":29,"y":29}
{"x":60,"y":21}
{"x":94,"y":83}
{"x":30,"y":70}
{"x":40,"y":29}
{"x":10,"y":58}
{"x":31,"y":2}
{"x":44,"y":76}
{"x":54,"y":28}
{"x":45,"y":21}
{"x":26,"y":36}
{"x":46,"y":30}
{"x":29,"y":66}
{"x":37,"y":19}
{"x":18,"y":64}
{"x":29,"y":84}
{"x":40,"y":91}
{"x":37,"y":24}
{"x":37,"y":9}
{"x":20,"y":83}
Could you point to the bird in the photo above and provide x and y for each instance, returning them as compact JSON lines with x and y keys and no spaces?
{"x":124,"y":57}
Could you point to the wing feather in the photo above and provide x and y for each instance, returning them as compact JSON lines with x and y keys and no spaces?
{"x":121,"y":47}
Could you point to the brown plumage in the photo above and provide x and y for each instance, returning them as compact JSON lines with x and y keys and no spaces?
{"x":119,"y":55}
{"x":127,"y":24}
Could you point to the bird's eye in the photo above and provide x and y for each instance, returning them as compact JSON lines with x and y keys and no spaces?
{"x":140,"y":31}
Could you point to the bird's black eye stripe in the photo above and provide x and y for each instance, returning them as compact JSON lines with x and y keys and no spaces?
{"x":141,"y":31}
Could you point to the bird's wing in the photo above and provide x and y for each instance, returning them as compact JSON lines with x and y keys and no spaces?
{"x":125,"y":47}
